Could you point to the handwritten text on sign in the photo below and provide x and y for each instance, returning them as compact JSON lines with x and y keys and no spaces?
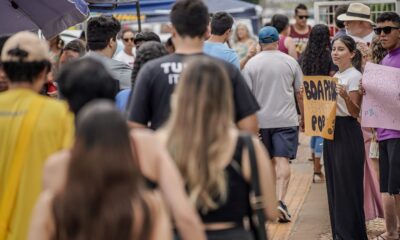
{"x":319,"y":98}
{"x":381,"y":103}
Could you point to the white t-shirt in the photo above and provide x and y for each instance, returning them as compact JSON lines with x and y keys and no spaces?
{"x":351,"y":79}
{"x":273,"y":78}
{"x":367,"y":39}
{"x":123,"y":57}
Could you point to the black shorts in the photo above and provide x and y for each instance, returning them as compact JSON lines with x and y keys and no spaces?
{"x":281,"y":142}
{"x":389,"y":166}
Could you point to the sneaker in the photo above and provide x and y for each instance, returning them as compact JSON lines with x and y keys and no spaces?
{"x":285,"y":216}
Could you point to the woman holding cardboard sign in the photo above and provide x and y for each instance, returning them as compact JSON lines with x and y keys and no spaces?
{"x":316,"y":61}
{"x":344,"y":156}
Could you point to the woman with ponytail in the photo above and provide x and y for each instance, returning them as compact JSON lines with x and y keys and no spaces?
{"x":344,"y":155}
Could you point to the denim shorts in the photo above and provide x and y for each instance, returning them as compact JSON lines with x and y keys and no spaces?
{"x":316,"y":145}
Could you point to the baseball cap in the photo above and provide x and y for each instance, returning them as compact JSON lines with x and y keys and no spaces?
{"x":25,"y":47}
{"x":268,"y":35}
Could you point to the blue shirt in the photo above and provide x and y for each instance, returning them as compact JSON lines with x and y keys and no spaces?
{"x":222,"y":51}
{"x":121,"y":100}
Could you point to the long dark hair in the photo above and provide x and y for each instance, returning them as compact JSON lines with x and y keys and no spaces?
{"x":352,"y":46}
{"x":316,"y":57}
{"x":103,"y":180}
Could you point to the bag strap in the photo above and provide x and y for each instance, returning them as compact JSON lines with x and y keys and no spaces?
{"x":257,"y":201}
{"x":11,"y":187}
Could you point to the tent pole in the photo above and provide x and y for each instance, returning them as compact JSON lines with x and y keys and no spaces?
{"x":138,"y":16}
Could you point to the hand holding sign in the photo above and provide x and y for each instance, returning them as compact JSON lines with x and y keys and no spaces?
{"x":319,"y":97}
{"x":341,"y":90}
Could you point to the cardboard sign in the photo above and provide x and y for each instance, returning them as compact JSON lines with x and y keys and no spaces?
{"x":381,"y":103}
{"x":319,"y":98}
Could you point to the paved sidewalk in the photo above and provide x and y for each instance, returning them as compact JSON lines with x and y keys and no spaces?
{"x":299,"y":187}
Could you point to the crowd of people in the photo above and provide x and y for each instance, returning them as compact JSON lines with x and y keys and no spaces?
{"x":156,"y":142}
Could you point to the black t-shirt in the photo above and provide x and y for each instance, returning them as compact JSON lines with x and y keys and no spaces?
{"x":155,"y":84}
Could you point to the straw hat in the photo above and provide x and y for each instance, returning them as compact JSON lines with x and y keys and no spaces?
{"x":357,"y":12}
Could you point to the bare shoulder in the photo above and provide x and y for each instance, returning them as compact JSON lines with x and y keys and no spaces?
{"x":145,"y":137}
{"x":57,"y":160}
{"x":142,"y":133}
{"x":45,"y":200}
{"x":55,"y":168}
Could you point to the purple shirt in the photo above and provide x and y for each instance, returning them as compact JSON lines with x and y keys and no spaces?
{"x":392,"y":59}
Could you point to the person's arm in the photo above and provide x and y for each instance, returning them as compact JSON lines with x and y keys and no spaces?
{"x":352,"y":100}
{"x":246,"y":106}
{"x":42,"y":221}
{"x":250,"y":53}
{"x":298,"y":78}
{"x":132,"y":125}
{"x":299,"y":97}
{"x":289,"y":44}
{"x":249,"y":124}
{"x":157,"y":165}
{"x":55,"y":171}
{"x":162,"y":229}
{"x":266,"y":174}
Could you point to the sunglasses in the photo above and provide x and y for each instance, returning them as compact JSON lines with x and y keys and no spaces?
{"x":128,"y":39}
{"x":303,"y":17}
{"x":386,"y":30}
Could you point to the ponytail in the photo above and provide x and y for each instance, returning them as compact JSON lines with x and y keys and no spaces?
{"x":357,"y":60}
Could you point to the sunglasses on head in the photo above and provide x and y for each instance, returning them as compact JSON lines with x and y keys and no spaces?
{"x":386,"y":30}
{"x":303,"y":17}
{"x":128,"y":39}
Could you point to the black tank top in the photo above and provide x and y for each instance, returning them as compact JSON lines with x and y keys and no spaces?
{"x":237,"y":204}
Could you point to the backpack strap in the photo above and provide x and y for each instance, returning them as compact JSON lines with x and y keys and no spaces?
{"x":7,"y":203}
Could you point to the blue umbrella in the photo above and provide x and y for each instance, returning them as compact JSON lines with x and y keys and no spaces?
{"x":50,"y":16}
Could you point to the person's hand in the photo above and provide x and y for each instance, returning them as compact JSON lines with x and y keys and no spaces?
{"x":301,"y":124}
{"x":361,"y":89}
{"x":252,"y":51}
{"x":341,"y":90}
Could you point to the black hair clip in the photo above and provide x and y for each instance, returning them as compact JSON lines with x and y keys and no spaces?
{"x":18,"y":52}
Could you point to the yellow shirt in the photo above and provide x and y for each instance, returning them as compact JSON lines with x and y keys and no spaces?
{"x":53,"y":131}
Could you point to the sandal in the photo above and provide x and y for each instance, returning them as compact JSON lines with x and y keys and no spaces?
{"x":320,"y":176}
